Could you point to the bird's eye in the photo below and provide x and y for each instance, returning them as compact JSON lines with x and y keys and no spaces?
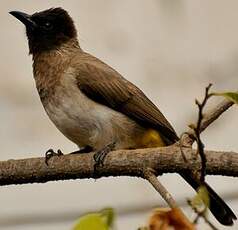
{"x":48,"y":25}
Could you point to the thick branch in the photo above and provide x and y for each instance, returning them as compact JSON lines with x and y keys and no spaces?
{"x":117,"y":163}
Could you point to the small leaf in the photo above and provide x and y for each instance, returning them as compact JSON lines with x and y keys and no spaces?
{"x":102,"y":220}
{"x":232,"y":96}
{"x":108,"y":215}
{"x":201,"y":200}
{"x":90,"y":221}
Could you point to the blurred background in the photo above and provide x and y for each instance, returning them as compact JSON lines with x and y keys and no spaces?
{"x":170,"y":49}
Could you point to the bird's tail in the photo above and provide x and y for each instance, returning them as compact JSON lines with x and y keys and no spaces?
{"x":218,"y":207}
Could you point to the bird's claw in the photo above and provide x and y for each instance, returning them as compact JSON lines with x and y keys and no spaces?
{"x":51,"y":153}
{"x":100,"y":155}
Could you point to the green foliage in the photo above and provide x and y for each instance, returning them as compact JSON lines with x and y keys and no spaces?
{"x":102,"y":220}
{"x":232,"y":96}
{"x":201,"y":199}
{"x":108,"y":215}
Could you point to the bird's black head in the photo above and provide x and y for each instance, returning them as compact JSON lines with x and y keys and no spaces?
{"x":47,"y":30}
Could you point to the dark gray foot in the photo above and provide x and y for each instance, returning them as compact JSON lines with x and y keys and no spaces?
{"x":51,"y":153}
{"x":99,"y":156}
{"x":86,"y":149}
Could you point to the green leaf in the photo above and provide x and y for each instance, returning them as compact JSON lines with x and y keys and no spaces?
{"x":232,"y":96}
{"x":201,"y":199}
{"x":102,"y":220}
{"x":108,"y":215}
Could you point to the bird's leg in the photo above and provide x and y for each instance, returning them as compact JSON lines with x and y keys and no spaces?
{"x":51,"y":153}
{"x":100,"y":155}
{"x":86,"y":149}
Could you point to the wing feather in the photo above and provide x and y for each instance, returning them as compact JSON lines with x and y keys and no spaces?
{"x":106,"y":86}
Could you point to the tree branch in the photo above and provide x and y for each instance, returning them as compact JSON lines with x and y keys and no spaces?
{"x":149,"y":175}
{"x":197,"y":132}
{"x":117,"y":163}
{"x":215,"y":113}
{"x":209,"y":117}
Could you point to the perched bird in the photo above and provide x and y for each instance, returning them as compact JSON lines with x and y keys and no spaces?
{"x":90,"y":102}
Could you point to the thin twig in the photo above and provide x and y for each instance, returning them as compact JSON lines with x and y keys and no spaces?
{"x":210,"y":116}
{"x":197,"y":131}
{"x":153,"y":180}
{"x":151,"y":177}
{"x":215,"y":113}
{"x":195,"y":135}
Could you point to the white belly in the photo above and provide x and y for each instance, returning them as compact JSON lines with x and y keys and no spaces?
{"x":86,"y":122}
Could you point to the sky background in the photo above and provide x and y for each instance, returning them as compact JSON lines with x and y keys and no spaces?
{"x":171,"y":49}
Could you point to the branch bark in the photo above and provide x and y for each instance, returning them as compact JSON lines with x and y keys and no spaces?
{"x":117,"y":163}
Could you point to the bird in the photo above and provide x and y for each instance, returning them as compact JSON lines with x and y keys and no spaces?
{"x":91,"y":103}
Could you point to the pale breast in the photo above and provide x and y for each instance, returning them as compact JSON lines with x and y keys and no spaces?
{"x":86,"y":122}
{"x":72,"y":112}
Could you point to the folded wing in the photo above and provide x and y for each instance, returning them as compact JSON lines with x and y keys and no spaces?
{"x":108,"y":87}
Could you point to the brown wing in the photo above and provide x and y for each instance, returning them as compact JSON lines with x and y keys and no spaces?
{"x":106,"y":86}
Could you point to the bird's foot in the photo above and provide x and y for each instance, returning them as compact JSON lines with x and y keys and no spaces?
{"x":100,"y":155}
{"x":86,"y":149}
{"x":51,"y":153}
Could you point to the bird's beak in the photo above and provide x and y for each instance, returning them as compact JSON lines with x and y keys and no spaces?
{"x":24,"y":18}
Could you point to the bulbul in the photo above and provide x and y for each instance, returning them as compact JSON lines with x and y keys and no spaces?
{"x":90,"y":102}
